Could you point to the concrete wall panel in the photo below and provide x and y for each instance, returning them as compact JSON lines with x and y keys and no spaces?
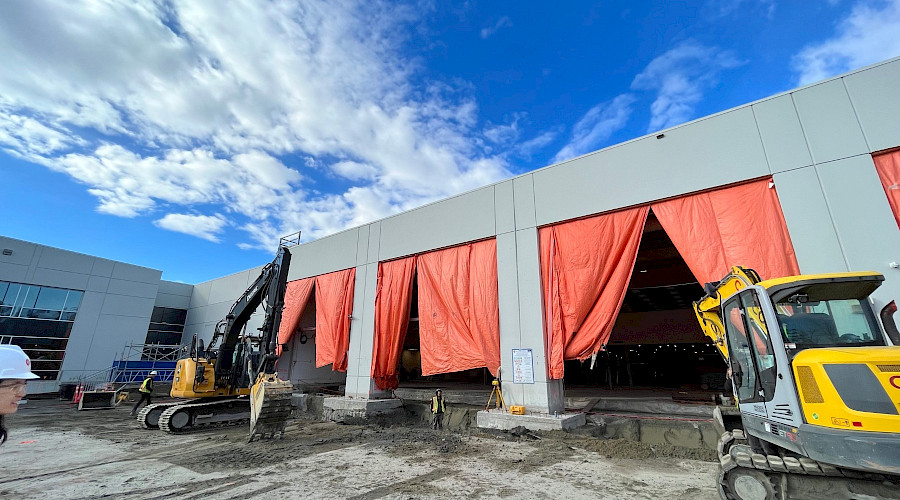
{"x":877,"y":103}
{"x":134,"y":289}
{"x":829,"y":122}
{"x":124,"y":305}
{"x":809,"y":222}
{"x":334,"y":253}
{"x":22,"y":251}
{"x":863,"y":219}
{"x":103,"y":267}
{"x":13,"y":272}
{"x":782,"y":135}
{"x":54,"y":258}
{"x":449,"y":222}
{"x":508,"y":284}
{"x":504,"y":207}
{"x":712,"y":152}
{"x":523,"y":198}
{"x":60,"y":279}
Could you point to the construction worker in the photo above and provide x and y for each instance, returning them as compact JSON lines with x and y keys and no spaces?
{"x":437,"y":410}
{"x":15,"y":369}
{"x":146,"y":390}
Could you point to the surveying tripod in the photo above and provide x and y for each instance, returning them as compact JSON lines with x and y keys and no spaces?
{"x":496,"y":392}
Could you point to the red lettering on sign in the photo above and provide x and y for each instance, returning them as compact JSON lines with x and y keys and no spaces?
{"x":895,"y":381}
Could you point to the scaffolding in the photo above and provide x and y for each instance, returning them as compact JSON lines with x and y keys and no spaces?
{"x":133,"y":365}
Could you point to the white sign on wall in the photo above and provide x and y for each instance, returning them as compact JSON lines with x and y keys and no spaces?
{"x":523,"y":366}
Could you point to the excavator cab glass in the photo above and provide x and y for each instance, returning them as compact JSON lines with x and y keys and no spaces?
{"x":827,"y":322}
{"x":753,"y":368}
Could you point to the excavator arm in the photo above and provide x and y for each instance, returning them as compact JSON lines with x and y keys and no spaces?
{"x":708,"y":309}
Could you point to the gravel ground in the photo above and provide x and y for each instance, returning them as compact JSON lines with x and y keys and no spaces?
{"x":55,"y":452}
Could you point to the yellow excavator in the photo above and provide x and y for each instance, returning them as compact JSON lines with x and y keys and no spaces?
{"x":816,"y":382}
{"x":234,"y":381}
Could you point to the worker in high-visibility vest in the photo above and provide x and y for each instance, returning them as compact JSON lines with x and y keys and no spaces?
{"x":437,"y":410}
{"x":146,"y":390}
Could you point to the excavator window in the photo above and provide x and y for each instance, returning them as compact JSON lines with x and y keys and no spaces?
{"x":827,"y":322}
{"x":753,"y":369}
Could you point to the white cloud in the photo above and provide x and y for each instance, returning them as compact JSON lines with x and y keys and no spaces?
{"x":201,"y":105}
{"x":503,"y":22}
{"x":680,"y":77}
{"x":597,"y":125}
{"x":722,"y":8}
{"x":207,"y":227}
{"x":869,"y":34}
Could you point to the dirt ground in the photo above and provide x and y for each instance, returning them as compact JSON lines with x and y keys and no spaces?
{"x":55,"y":452}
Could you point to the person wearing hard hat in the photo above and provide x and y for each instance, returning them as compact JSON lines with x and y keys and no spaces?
{"x":15,"y":369}
{"x":146,"y":390}
{"x":437,"y":410}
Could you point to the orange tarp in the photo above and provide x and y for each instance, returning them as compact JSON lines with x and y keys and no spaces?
{"x":296,"y":297}
{"x":888,"y":167}
{"x":738,"y":225}
{"x":393,"y":296}
{"x":459,"y":320}
{"x":585,"y":269}
{"x":334,"y":305}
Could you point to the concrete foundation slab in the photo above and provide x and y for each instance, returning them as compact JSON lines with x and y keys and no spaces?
{"x":299,"y":401}
{"x":493,"y":419}
{"x":342,"y":408}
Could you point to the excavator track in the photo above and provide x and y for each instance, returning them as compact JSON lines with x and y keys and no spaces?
{"x":149,"y":415}
{"x":745,"y":475}
{"x":192,"y":416}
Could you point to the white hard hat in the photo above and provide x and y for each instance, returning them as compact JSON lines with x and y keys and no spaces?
{"x":14,"y":363}
{"x":153,"y":372}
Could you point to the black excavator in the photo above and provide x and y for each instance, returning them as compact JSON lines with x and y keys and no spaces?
{"x":233,"y":379}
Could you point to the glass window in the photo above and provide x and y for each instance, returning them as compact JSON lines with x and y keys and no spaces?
{"x":12,"y":293}
{"x":3,"y":287}
{"x":762,"y":344}
{"x":73,"y":300}
{"x":743,"y":368}
{"x":828,"y":323}
{"x":51,"y":298}
{"x":30,"y":295}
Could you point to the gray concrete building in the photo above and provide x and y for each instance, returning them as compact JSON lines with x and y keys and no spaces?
{"x":815,"y":143}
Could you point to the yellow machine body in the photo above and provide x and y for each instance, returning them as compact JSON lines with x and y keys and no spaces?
{"x":187,"y":384}
{"x":824,"y":405}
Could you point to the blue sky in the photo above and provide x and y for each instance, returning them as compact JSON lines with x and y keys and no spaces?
{"x":188,"y":136}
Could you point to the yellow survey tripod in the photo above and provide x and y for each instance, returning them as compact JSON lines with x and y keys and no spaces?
{"x":496,"y":392}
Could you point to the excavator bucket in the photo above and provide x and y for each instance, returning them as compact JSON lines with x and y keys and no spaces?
{"x":270,"y":406}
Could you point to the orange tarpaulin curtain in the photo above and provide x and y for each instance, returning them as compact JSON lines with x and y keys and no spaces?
{"x":393,"y":296}
{"x":296,"y":297}
{"x":734,"y":226}
{"x":459,"y":318}
{"x":585,"y":269}
{"x":888,"y":167}
{"x":334,"y":305}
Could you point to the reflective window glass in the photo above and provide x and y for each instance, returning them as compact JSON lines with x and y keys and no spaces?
{"x":12,"y":293}
{"x":73,"y":301}
{"x":29,"y":297}
{"x":51,"y":298}
{"x":3,"y":286}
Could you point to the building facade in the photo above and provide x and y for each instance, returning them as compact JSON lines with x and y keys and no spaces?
{"x":815,"y":145}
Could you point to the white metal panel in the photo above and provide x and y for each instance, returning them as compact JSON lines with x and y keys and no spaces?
{"x":60,"y":279}
{"x":877,"y":103}
{"x":13,"y":272}
{"x":83,"y":331}
{"x":531,"y":316}
{"x":362,"y":334}
{"x":54,"y":258}
{"x":103,"y":267}
{"x":523,"y":198}
{"x":716,"y":151}
{"x":22,"y":251}
{"x":862,"y":216}
{"x":333,"y":253}
{"x":175,"y":288}
{"x":449,"y":222}
{"x":504,"y":207}
{"x":809,"y":222}
{"x":130,"y":272}
{"x":133,"y":288}
{"x":829,"y":122}
{"x":782,"y":135}
{"x":113,"y":333}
